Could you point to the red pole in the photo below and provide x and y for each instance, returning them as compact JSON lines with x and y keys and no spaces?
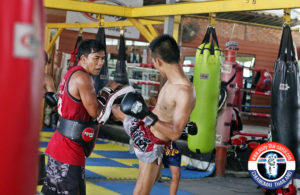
{"x":263,"y":115}
{"x":21,"y":74}
{"x":257,"y":92}
{"x":225,"y":115}
{"x":250,"y":134}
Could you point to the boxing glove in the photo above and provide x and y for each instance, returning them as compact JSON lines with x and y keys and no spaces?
{"x":190,"y":128}
{"x":133,"y":104}
{"x":51,"y":98}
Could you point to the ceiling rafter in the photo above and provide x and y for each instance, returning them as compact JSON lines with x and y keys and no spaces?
{"x":171,"y":9}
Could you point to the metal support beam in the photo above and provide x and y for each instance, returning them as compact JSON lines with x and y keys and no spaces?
{"x":212,"y":6}
{"x":239,"y":22}
{"x":52,"y":43}
{"x":47,"y":38}
{"x":90,"y":7}
{"x":287,"y":16}
{"x":212,"y":19}
{"x":176,"y":28}
{"x":104,"y":24}
{"x":169,"y":21}
{"x":143,"y":30}
{"x":171,"y":9}
{"x":168,"y":26}
{"x":152,"y":30}
{"x":160,"y":18}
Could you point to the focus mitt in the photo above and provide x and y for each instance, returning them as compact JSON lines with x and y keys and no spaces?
{"x":106,"y":111}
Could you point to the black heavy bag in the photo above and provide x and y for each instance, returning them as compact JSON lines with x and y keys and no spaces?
{"x":74,"y":59}
{"x":102,"y":79}
{"x":121,"y":75}
{"x":285,"y":102}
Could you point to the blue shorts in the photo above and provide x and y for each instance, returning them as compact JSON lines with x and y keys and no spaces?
{"x":172,"y":156}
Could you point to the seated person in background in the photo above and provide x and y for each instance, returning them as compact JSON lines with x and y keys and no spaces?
{"x":49,"y":89}
{"x":49,"y":84}
{"x":51,"y":98}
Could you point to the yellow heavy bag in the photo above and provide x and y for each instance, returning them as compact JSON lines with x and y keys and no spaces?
{"x":207,"y":84}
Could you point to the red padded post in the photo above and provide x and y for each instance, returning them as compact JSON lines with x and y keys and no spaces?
{"x":21,"y":74}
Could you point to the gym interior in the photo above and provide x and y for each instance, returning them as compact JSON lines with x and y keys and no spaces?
{"x":254,"y":44}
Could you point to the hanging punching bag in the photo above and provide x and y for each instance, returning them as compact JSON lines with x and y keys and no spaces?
{"x":121,"y":75}
{"x":74,"y":60}
{"x":21,"y":73}
{"x":285,"y":100}
{"x":207,"y":85}
{"x":228,"y":84}
{"x":102,"y":79}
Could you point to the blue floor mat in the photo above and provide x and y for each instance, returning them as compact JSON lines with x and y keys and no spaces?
{"x":115,"y":154}
{"x":126,"y":188}
{"x":109,"y":161}
{"x":104,"y":162}
{"x":43,"y":144}
{"x":92,"y":175}
{"x":187,"y":173}
{"x":45,"y":129}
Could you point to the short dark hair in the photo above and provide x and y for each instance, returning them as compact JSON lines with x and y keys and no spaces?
{"x":166,"y":48}
{"x":89,"y":46}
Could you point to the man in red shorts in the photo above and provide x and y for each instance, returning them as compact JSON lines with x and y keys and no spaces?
{"x":151,"y":131}
{"x":76,"y":131}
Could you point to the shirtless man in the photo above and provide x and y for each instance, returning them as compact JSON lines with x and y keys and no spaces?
{"x":51,"y":99}
{"x":49,"y":84}
{"x":76,"y":132}
{"x":49,"y":90}
{"x":150,"y":131}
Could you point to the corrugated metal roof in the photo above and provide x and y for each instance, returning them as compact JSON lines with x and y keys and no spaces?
{"x":266,"y":17}
{"x":295,"y":13}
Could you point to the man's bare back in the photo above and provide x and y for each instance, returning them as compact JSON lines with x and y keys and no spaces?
{"x":166,"y":102}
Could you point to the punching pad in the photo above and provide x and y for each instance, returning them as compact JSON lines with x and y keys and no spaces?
{"x":285,"y":100}
{"x":121,"y":75}
{"x":262,"y":81}
{"x":21,"y":73}
{"x":207,"y":85}
{"x":102,"y":79}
